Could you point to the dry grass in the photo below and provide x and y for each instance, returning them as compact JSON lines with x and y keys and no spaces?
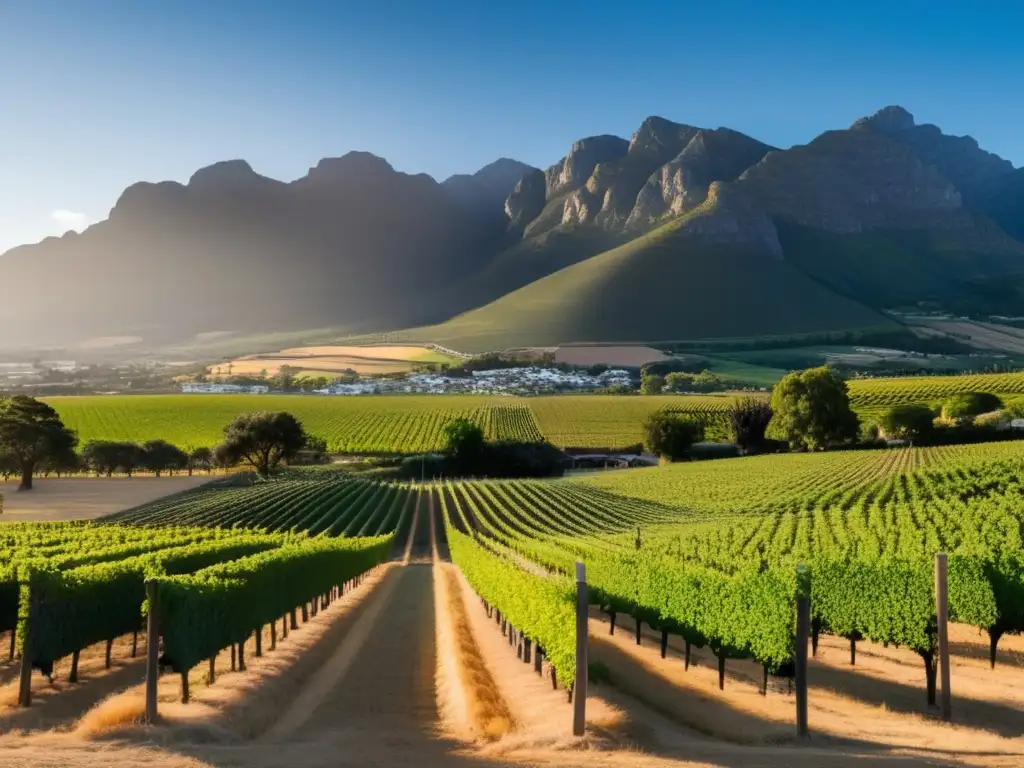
{"x":113,"y":713}
{"x":472,"y":695}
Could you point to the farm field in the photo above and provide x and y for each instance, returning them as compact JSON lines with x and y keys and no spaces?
{"x":376,"y":423}
{"x":411,"y":423}
{"x":714,"y":572}
{"x":316,"y":503}
{"x":380,"y":358}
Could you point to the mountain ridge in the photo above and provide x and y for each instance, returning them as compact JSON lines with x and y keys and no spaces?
{"x":357,"y":245}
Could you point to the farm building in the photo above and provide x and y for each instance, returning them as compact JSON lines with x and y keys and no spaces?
{"x":211,"y":388}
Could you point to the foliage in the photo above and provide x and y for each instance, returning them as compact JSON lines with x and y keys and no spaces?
{"x":748,"y":421}
{"x":543,"y":609}
{"x":159,"y":456}
{"x":200,"y":458}
{"x":811,"y":410}
{"x":224,"y":604}
{"x":909,"y":422}
{"x":463,"y":441}
{"x":652,"y":384}
{"x":965,"y":406}
{"x":297,"y":501}
{"x":670,"y":436}
{"x":263,"y":440}
{"x":31,"y":431}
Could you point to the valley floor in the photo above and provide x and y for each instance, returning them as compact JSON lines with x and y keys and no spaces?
{"x":407,"y":670}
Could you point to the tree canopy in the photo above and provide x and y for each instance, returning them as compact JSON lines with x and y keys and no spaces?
{"x":159,"y":456}
{"x":811,"y":410}
{"x":908,"y":422}
{"x":670,"y":436}
{"x":965,"y":406}
{"x":463,"y":440}
{"x":32,"y":432}
{"x":262,"y":440}
{"x":748,"y":421}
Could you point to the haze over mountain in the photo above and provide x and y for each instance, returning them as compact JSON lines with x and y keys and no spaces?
{"x":678,"y":232}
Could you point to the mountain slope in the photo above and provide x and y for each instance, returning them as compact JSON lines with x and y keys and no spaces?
{"x":677,"y":282}
{"x":351,"y":244}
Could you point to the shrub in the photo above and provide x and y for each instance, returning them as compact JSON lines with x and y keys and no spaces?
{"x":908,"y":422}
{"x":965,"y":406}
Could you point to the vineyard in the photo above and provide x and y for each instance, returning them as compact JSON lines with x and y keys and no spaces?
{"x":67,"y":586}
{"x":710,"y":551}
{"x":296,"y":502}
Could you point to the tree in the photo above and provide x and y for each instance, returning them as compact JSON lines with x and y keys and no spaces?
{"x":159,"y":456}
{"x":670,"y":436}
{"x":908,"y":422}
{"x":286,"y":377}
{"x":463,"y":441}
{"x":101,"y":456}
{"x":678,"y":381}
{"x":965,"y":406}
{"x":65,"y":462}
{"x":263,"y":440}
{"x":748,"y":422}
{"x":811,"y":410}
{"x":128,"y":457}
{"x":652,"y":384}
{"x":200,"y":458}
{"x":223,"y":457}
{"x":30,"y":432}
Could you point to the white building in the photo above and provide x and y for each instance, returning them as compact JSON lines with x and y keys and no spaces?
{"x":212,"y":388}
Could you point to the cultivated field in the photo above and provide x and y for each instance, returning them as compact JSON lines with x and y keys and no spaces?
{"x":327,"y":360}
{"x":423,"y":662}
{"x":411,"y":423}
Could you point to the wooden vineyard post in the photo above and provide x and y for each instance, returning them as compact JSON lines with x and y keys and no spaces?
{"x":211,"y":676}
{"x":73,"y":675}
{"x":579,"y":706}
{"x":25,"y":680}
{"x":184,"y":687}
{"x":803,"y":629}
{"x":110,"y":646}
{"x":241,"y":656}
{"x":273,"y":634}
{"x":259,"y":641}
{"x":135,"y":643}
{"x":942,"y":615}
{"x":152,"y":649}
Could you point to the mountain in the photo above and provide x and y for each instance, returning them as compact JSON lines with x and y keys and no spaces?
{"x":679,"y":232}
{"x":352,"y":244}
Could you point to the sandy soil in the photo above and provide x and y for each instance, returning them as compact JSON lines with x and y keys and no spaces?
{"x":610,"y":355}
{"x":79,"y":498}
{"x":878,"y":704}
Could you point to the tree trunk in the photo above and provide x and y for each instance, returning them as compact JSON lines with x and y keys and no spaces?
{"x":721,"y":671}
{"x":815,"y":631}
{"x":211,"y":676}
{"x":26,"y":477}
{"x":664,"y":642}
{"x":639,"y":626}
{"x":106,"y":663}
{"x":930,"y":675}
{"x":686,"y":656}
{"x":611,"y":630}
{"x":993,"y":642}
{"x":305,"y":613}
{"x":135,"y":643}
{"x":273,"y":634}
{"x":233,"y":662}
{"x":241,"y":656}
{"x":73,"y":676}
{"x":764,"y":687}
{"x":184,"y":687}
{"x":259,"y":641}
{"x":853,"y":650}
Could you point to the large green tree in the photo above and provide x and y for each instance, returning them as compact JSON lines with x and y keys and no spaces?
{"x":262,"y":440}
{"x":464,"y":442}
{"x":669,"y":436}
{"x":908,"y":422}
{"x":158,"y":456}
{"x":811,"y":410}
{"x":31,"y":432}
{"x":749,"y":418}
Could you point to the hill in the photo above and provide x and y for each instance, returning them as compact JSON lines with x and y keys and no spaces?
{"x":679,"y":232}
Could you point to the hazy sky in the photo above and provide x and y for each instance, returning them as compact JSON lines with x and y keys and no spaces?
{"x":98,"y":94}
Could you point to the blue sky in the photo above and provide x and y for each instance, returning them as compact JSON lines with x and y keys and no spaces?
{"x":97,"y":95}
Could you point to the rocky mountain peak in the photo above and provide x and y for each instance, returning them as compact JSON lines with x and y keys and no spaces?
{"x":350,"y":164}
{"x":224,"y":173}
{"x":887,"y":120}
{"x":656,"y":136}
{"x":576,"y":167}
